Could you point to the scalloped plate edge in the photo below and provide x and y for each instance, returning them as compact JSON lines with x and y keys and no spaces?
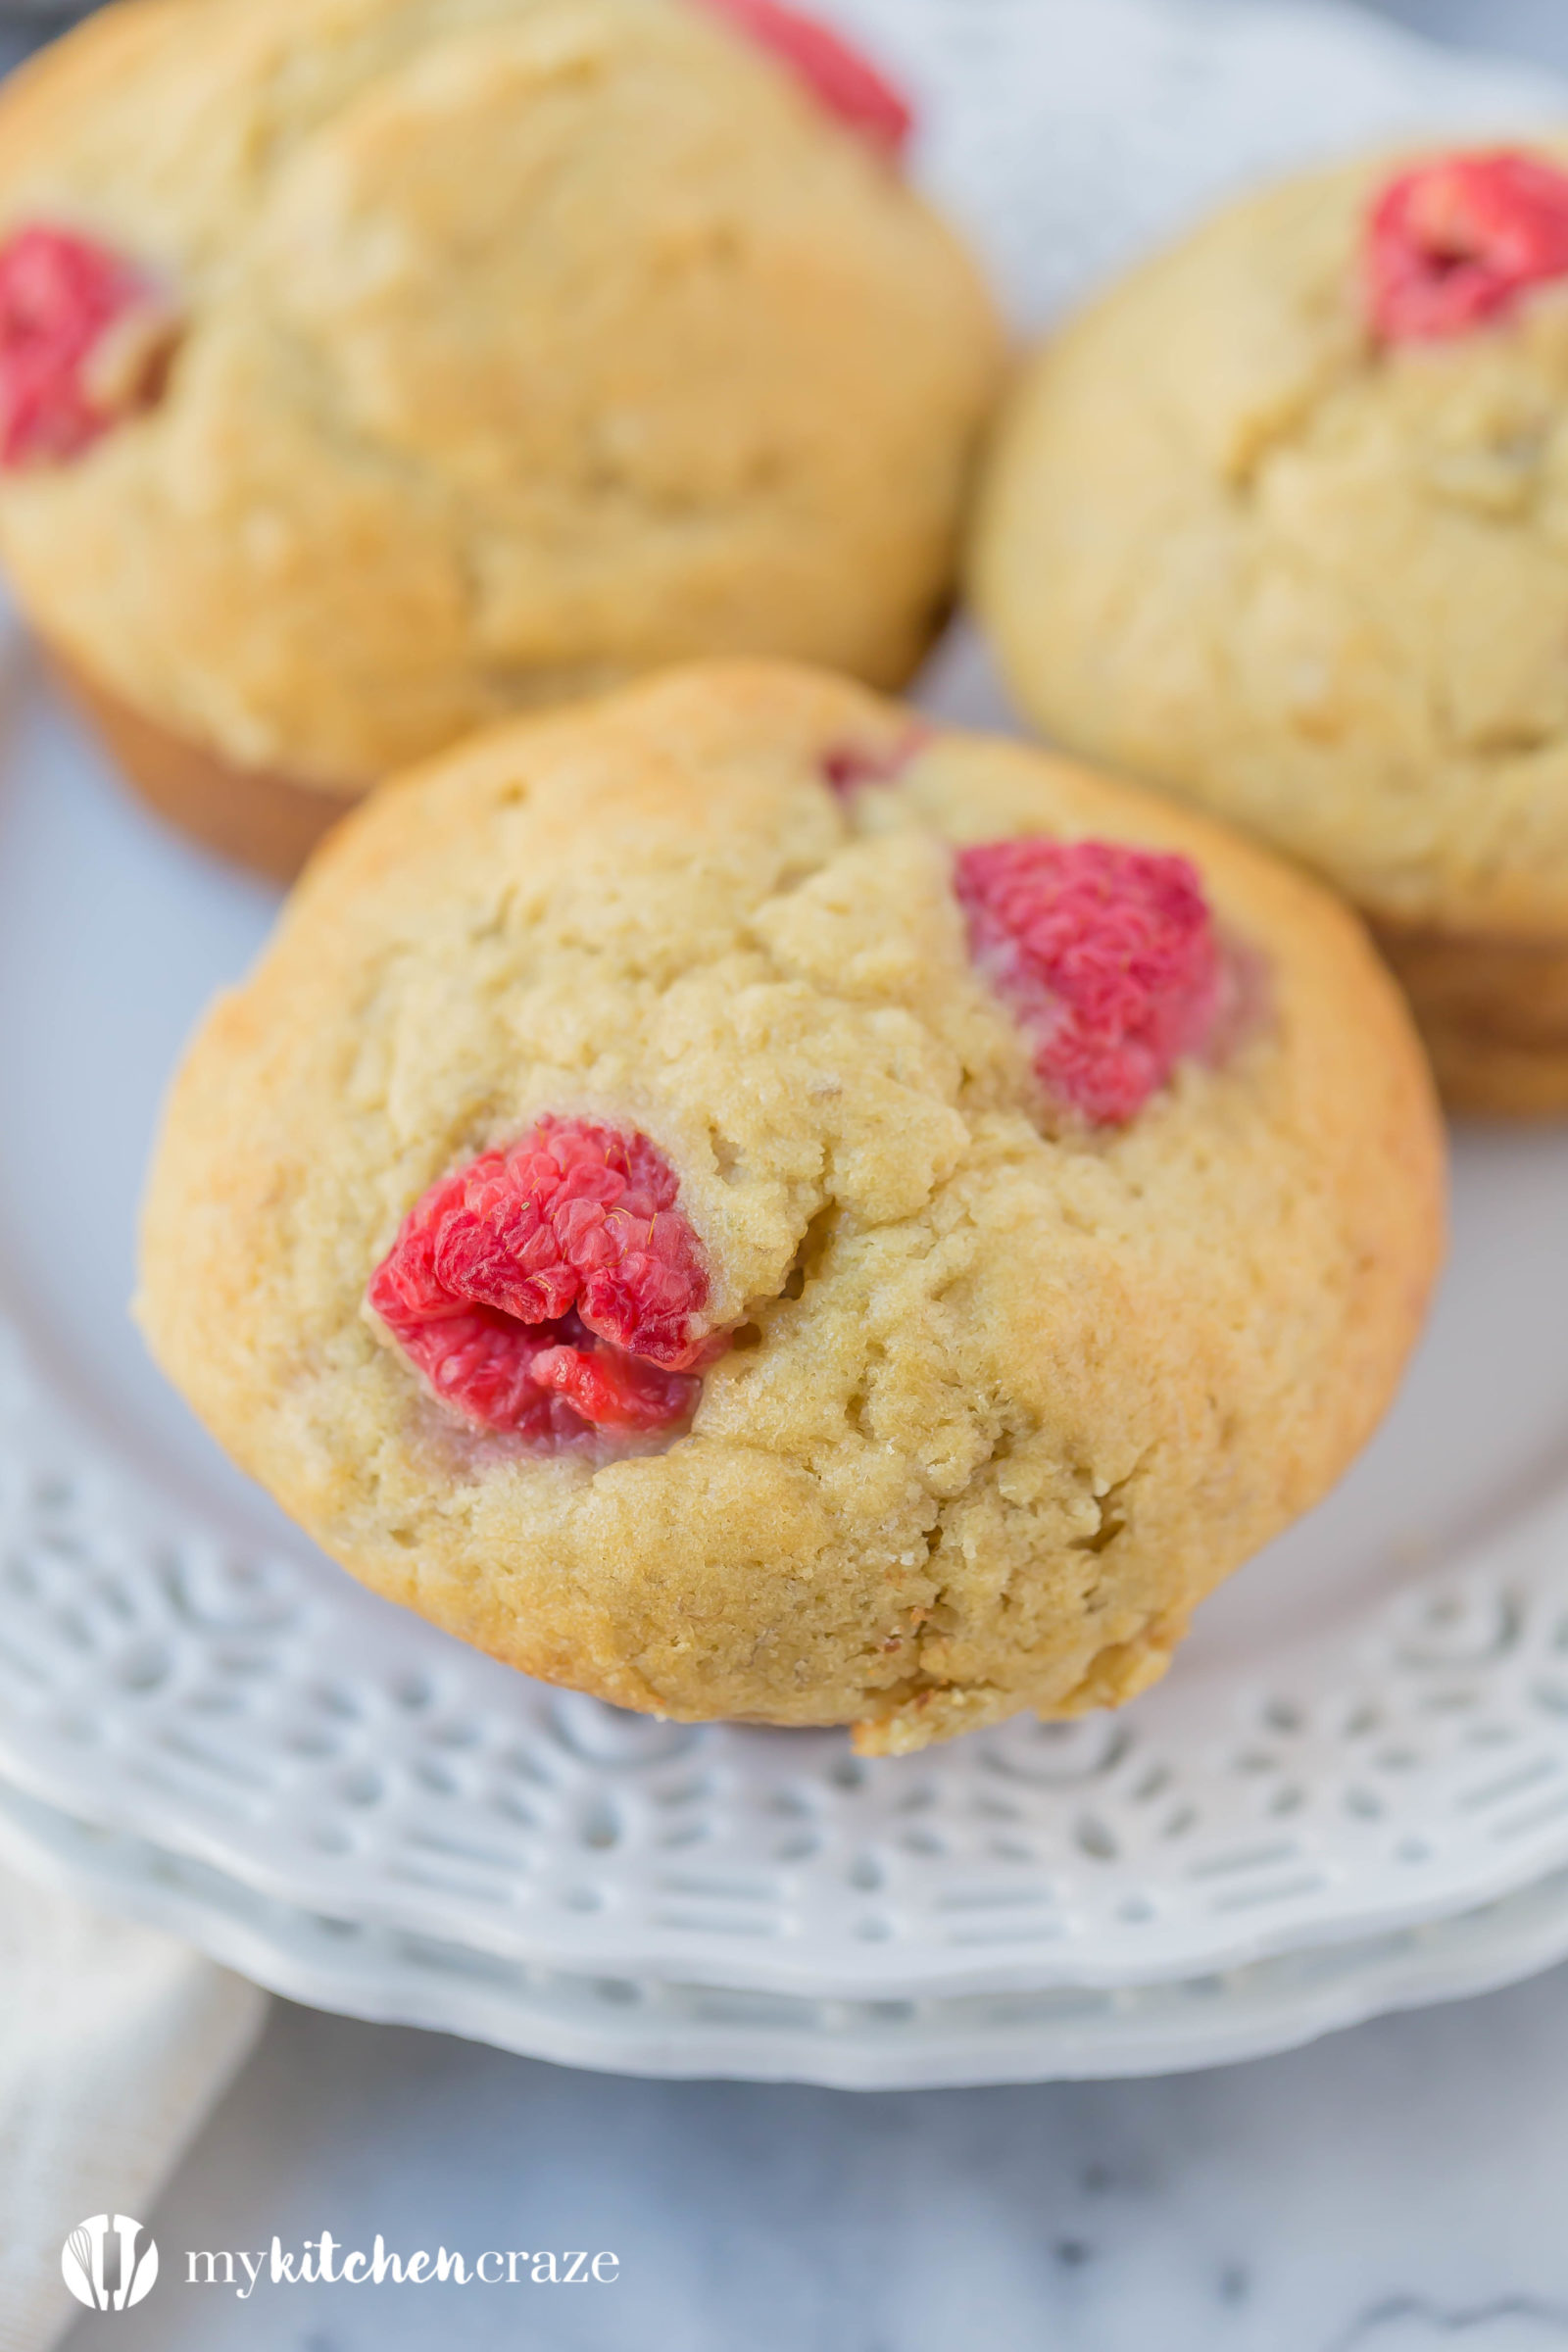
{"x":624,"y":2026}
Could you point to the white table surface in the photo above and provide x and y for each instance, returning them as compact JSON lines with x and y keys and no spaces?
{"x":1401,"y":2187}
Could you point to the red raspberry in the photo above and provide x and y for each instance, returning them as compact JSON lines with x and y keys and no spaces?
{"x":1108,"y":956}
{"x":84,"y":340}
{"x":1456,"y":242}
{"x":609,"y":1388}
{"x":846,"y":767}
{"x":835,"y":73}
{"x":553,"y":1286}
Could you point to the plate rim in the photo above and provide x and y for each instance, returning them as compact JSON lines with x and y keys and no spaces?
{"x":632,"y":2027}
{"x":98,"y":1783}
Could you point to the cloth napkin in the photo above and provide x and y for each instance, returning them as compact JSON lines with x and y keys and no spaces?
{"x":115,"y":2043}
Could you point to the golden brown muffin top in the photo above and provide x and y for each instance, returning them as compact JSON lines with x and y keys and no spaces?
{"x":1004,"y":1387}
{"x":517,"y":345}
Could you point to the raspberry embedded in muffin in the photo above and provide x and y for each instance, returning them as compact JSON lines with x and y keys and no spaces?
{"x":846,"y":767}
{"x":1108,"y":956}
{"x":553,"y":1286}
{"x":1454,"y":243}
{"x":838,"y":76}
{"x":84,"y":339}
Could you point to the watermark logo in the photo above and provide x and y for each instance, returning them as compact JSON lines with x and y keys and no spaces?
{"x":324,"y":2263}
{"x":107,"y":2266}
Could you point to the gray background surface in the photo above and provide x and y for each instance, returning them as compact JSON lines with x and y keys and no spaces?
{"x":1536,"y":29}
{"x":1396,"y":2188}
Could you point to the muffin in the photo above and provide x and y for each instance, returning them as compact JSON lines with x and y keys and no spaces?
{"x":737,"y":1203}
{"x":370,"y":372}
{"x":1281,"y":524}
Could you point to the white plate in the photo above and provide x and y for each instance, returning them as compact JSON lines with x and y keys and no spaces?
{"x":649,"y":2027}
{"x":1370,"y":1728}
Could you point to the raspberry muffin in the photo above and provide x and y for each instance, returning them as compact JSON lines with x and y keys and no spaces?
{"x":1282,"y":524}
{"x":370,"y":371}
{"x":736,"y":1202}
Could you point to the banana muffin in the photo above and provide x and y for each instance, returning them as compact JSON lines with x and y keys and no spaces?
{"x":1281,"y":524}
{"x":371,"y":368}
{"x":736,"y":1202}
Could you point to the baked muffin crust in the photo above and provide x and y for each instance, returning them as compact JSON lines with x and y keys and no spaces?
{"x":1006,"y":1392}
{"x":522,"y":344}
{"x":1242,"y":544}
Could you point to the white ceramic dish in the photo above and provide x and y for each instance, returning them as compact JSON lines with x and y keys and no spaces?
{"x":624,"y":2025}
{"x":1370,"y":1727}
{"x":1368,"y":1732}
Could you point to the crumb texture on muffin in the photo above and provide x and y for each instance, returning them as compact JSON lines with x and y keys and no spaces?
{"x":1006,"y":1390}
{"x":1244,"y":542}
{"x":514,"y":346}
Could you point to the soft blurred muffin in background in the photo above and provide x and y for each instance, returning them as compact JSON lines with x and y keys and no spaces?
{"x":1281,"y":523}
{"x":370,"y":369}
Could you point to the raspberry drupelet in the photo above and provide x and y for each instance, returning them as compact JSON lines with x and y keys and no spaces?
{"x":847,"y":765}
{"x":838,"y":76}
{"x":1105,"y":954}
{"x":1458,"y":242}
{"x":84,"y":337}
{"x":553,"y":1288}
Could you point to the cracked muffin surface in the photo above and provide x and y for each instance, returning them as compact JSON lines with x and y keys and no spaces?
{"x":459,"y":355}
{"x":984,"y":1372}
{"x":1281,"y":524}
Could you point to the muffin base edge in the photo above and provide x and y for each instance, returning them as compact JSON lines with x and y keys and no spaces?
{"x":260,"y":818}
